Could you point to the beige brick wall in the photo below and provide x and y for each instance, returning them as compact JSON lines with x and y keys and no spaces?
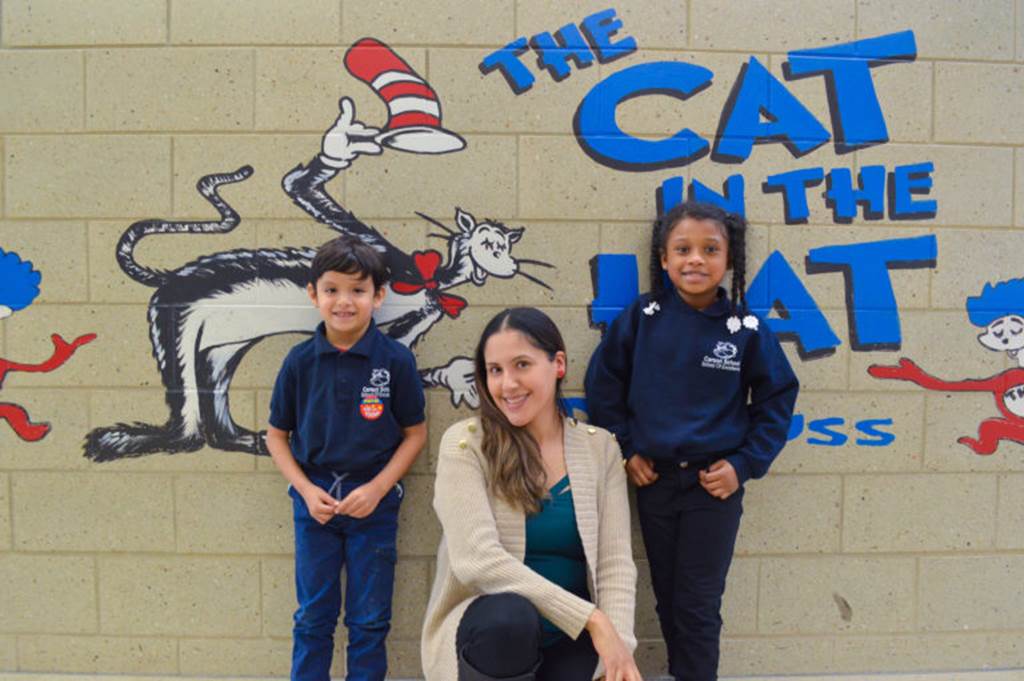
{"x":851,"y":559}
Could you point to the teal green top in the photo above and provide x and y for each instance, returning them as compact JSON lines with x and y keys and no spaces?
{"x":554,"y":549}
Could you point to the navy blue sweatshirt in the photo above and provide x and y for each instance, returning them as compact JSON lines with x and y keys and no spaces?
{"x":677,"y":384}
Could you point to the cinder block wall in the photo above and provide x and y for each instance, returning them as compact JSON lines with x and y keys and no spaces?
{"x":853,"y":556}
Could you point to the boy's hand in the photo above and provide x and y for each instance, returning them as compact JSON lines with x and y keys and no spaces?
{"x":640,"y":470}
{"x":360,"y":502}
{"x":720,"y":479}
{"x":321,"y":505}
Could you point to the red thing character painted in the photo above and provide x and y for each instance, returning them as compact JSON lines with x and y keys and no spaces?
{"x":1000,"y":311}
{"x":16,"y":415}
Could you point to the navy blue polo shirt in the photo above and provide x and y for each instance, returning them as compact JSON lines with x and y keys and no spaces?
{"x":346,"y":410}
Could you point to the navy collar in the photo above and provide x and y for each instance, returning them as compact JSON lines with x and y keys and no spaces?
{"x":721,"y":307}
{"x":364,"y":346}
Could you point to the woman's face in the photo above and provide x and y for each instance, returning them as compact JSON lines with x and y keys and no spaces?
{"x":520,"y":377}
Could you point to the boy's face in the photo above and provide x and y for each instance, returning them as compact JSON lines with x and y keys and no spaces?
{"x":346,"y":303}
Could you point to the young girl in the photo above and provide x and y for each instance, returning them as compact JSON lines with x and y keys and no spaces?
{"x":535,"y":578}
{"x":699,"y":394}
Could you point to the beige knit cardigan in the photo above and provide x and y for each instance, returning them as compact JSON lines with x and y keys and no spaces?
{"x":484,"y":542}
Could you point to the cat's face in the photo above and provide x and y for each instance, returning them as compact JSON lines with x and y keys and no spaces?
{"x":490,"y":246}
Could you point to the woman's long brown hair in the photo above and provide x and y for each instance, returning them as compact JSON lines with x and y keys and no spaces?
{"x":515,"y":472}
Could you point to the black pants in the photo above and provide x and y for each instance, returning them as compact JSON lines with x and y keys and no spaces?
{"x":499,"y":636}
{"x":689,"y":536}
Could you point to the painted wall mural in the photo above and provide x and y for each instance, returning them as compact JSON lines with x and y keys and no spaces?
{"x":206,"y":315}
{"x":999,"y":310}
{"x":19,"y":287}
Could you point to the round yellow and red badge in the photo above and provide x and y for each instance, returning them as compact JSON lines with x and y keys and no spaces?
{"x":371,"y":407}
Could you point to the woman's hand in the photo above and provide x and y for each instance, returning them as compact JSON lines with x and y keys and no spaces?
{"x":618,"y":661}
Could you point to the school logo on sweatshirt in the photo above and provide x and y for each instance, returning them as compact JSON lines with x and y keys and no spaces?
{"x":724,"y":353}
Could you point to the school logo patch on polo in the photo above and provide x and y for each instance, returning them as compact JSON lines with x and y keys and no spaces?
{"x":722,"y":358}
{"x":380,"y":380}
{"x":371,"y":407}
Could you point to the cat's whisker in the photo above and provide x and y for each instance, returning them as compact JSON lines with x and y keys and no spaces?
{"x":535,"y":280}
{"x":527,"y":261}
{"x":438,"y":236}
{"x":435,"y":222}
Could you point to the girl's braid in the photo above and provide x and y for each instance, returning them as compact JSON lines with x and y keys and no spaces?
{"x":659,"y":232}
{"x":736,"y":227}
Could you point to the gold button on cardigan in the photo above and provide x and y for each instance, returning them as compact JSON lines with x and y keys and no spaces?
{"x":484,"y":542}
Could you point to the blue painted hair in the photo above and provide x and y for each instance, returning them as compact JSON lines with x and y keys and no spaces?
{"x":19,"y":283}
{"x":995,"y":301}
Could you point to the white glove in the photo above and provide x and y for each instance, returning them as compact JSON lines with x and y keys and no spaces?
{"x":348,"y":138}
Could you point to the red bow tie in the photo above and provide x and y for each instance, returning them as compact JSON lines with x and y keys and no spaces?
{"x":427,"y":263}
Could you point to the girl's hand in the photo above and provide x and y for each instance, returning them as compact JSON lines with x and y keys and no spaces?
{"x":640,"y":470}
{"x":720,"y":479}
{"x":320,"y":504}
{"x":618,"y":661}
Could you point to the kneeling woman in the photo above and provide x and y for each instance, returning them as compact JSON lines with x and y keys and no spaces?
{"x":535,"y":577}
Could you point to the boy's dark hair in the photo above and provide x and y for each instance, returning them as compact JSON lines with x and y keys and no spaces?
{"x":734,"y":228}
{"x":349,"y":255}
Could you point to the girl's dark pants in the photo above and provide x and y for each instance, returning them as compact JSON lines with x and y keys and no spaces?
{"x":499,"y":638}
{"x":689,"y":536}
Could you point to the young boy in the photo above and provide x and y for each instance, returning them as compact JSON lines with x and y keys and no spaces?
{"x":346,"y":422}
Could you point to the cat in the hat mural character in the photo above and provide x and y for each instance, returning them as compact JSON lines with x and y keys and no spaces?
{"x":999,"y":310}
{"x":206,"y":315}
{"x":19,"y":287}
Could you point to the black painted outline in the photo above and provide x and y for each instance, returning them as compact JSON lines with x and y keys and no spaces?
{"x":636,"y":167}
{"x":846,"y":269}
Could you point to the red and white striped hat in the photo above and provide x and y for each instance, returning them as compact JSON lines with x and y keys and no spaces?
{"x":414,"y":112}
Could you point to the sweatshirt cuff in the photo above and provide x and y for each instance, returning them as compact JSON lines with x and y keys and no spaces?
{"x":741,"y":466}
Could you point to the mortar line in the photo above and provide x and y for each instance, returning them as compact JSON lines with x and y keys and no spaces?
{"x":757,"y":598}
{"x":88,"y":295}
{"x":519,"y":198}
{"x":689,"y":24}
{"x":995,"y":511}
{"x":167,"y":18}
{"x":917,"y":593}
{"x":931,"y":112}
{"x":259,"y":586}
{"x":174,"y":511}
{"x":1013,"y":176}
{"x":171,"y":178}
{"x":252,"y":95}
{"x":85,"y":92}
{"x":96,"y":592}
{"x":10,"y":504}
{"x":842,"y":512}
{"x":3,"y":176}
{"x":341,"y":21}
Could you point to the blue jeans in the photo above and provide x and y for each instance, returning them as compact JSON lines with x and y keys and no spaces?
{"x":365,"y":547}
